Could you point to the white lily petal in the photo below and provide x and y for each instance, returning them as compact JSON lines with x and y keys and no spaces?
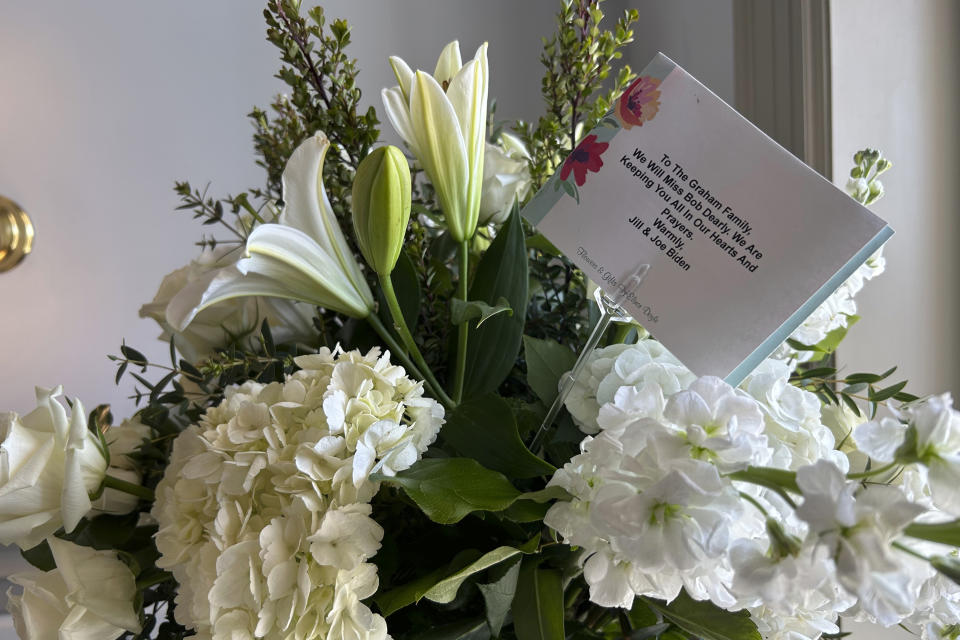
{"x":468,"y":95}
{"x":305,"y":252}
{"x":398,"y":112}
{"x":307,"y":207}
{"x":302,"y":253}
{"x":404,"y":76}
{"x":449,"y":63}
{"x":443,"y":152}
{"x":310,"y":279}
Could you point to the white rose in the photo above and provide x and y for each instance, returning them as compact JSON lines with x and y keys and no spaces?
{"x":238,"y":317}
{"x":506,"y":178}
{"x":89,"y":596}
{"x":49,"y":465}
{"x":122,"y":440}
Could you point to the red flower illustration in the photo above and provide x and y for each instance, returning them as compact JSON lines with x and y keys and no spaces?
{"x":586,"y":157}
{"x":639,"y":102}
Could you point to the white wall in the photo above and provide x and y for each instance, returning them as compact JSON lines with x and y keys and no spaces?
{"x":104,"y":104}
{"x":896,"y":87}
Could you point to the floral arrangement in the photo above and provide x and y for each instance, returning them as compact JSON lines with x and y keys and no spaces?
{"x":341,"y":445}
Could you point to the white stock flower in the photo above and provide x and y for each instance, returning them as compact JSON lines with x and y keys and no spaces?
{"x":833,"y":313}
{"x":228,"y":320}
{"x":720,"y":424}
{"x":792,"y":417}
{"x":651,"y":518}
{"x":443,"y":120}
{"x":506,"y":178}
{"x":789,"y":584}
{"x":858,"y":527}
{"x":304,"y":256}
{"x":930,"y":435}
{"x":263,"y":510}
{"x":49,"y":464}
{"x":89,"y":596}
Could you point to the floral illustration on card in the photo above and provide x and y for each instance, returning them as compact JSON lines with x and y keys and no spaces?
{"x":639,"y":103}
{"x":585,"y":158}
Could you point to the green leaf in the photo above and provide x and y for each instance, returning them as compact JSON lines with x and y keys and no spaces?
{"x":546,"y":495}
{"x":498,"y":593}
{"x":538,"y":603}
{"x":40,"y":557}
{"x":886,"y":393}
{"x":706,"y":620}
{"x":796,"y":345}
{"x":829,"y":344}
{"x":502,"y":273}
{"x":539,"y":242}
{"x":526,"y":511}
{"x":447,"y":489}
{"x":446,"y":590}
{"x":461,"y":311}
{"x":819,"y":372}
{"x":406,"y":284}
{"x":851,"y":404}
{"x":641,"y":615}
{"x":473,"y":629}
{"x":546,"y":362}
{"x":942,"y":532}
{"x":268,"y":344}
{"x":869,"y":378}
{"x":533,"y":506}
{"x":484,"y":428}
{"x":399,"y":597}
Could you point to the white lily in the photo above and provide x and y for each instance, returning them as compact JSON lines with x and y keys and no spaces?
{"x":304,"y":256}
{"x":443,"y":120}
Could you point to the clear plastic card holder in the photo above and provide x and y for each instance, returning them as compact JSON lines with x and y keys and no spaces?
{"x":611,"y":310}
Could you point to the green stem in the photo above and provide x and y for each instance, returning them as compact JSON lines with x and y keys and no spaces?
{"x":128,"y":487}
{"x":908,"y":550}
{"x":400,"y":323}
{"x":779,"y":480}
{"x":751,"y":500}
{"x":400,"y":353}
{"x":871,"y":472}
{"x":461,"y":366}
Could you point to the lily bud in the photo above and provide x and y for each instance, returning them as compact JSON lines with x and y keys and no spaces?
{"x":381,"y":207}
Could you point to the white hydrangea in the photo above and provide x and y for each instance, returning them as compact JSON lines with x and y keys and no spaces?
{"x":263,"y":510}
{"x":647,"y":368}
